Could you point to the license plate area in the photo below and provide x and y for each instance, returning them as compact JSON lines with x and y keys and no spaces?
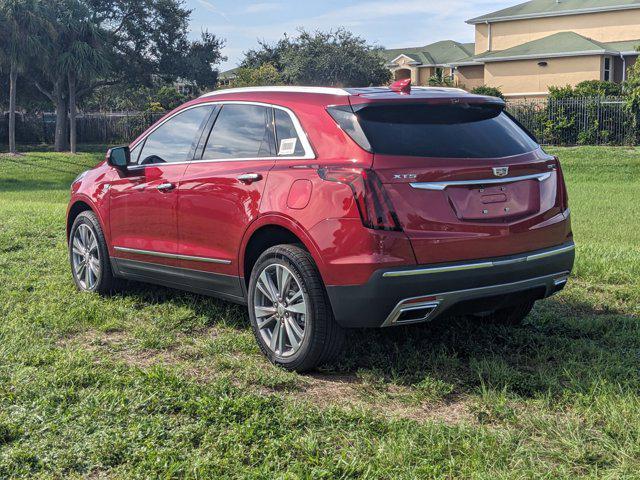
{"x":495,"y":202}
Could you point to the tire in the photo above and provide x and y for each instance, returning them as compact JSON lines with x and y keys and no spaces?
{"x":510,"y":316}
{"x":100,"y":277}
{"x":322,"y":338}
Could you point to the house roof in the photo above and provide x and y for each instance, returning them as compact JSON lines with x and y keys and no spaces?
{"x":563,"y":44}
{"x":625,"y":47}
{"x":228,"y":74}
{"x":439,"y":53}
{"x":554,"y":8}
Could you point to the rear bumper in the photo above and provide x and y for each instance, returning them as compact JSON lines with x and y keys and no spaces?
{"x":402,"y":296}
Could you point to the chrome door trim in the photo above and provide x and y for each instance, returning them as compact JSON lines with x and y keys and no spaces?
{"x":475,"y":266}
{"x":309,"y":153}
{"x":174,"y":256}
{"x":541,"y":177}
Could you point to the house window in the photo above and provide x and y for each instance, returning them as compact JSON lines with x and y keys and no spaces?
{"x":608,"y":69}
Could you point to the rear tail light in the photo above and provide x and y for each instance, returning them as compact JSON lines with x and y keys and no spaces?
{"x":563,"y":195}
{"x":374,"y":205}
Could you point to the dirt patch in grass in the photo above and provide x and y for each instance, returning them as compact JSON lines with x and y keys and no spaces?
{"x":348,"y":391}
{"x":120,"y":347}
{"x":323,"y":390}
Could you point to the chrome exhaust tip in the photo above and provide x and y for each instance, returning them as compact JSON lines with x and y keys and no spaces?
{"x":408,"y":313}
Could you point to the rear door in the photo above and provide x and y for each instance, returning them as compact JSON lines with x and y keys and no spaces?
{"x":466,"y":181}
{"x":222,"y":188}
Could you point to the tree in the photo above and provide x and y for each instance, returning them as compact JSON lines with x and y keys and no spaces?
{"x":97,"y":43}
{"x":198,"y":60}
{"x":267,"y":54}
{"x":169,"y":98}
{"x":265,"y":74}
{"x":83,"y":56}
{"x":334,"y":58}
{"x":17,"y":35}
{"x":632,"y":93}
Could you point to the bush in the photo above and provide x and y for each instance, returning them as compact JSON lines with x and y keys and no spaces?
{"x":488,"y":91}
{"x":588,"y":88}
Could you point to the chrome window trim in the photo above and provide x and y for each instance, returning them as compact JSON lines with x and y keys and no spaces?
{"x":479,"y":265}
{"x":174,"y":256}
{"x":440,"y":186}
{"x":302,"y":135}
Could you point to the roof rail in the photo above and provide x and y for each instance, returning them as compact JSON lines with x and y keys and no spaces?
{"x":281,"y":89}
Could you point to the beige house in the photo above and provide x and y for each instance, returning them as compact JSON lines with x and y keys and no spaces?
{"x":527,"y":48}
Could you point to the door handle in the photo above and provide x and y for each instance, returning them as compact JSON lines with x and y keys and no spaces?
{"x":250,"y":177}
{"x":166,"y":187}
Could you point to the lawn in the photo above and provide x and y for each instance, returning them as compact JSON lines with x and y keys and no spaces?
{"x":156,"y":383}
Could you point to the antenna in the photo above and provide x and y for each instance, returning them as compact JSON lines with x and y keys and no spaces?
{"x":403,"y":87}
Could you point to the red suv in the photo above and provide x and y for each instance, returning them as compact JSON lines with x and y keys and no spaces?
{"x":325,"y":208}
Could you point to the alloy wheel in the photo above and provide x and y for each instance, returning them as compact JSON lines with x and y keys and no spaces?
{"x":280,"y":307}
{"x":85,"y":257}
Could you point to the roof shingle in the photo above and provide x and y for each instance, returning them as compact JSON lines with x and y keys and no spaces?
{"x":552,"y":8}
{"x":439,"y":53}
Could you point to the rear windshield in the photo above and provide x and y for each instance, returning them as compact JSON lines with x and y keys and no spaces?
{"x":444,"y":131}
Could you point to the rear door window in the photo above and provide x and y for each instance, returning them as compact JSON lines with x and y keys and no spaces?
{"x":241,"y":131}
{"x":287,"y":140}
{"x":444,"y":131}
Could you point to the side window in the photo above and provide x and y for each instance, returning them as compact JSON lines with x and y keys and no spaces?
{"x":287,"y":140}
{"x":241,"y":131}
{"x":176,"y":139}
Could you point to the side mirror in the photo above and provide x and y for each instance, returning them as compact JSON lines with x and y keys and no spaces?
{"x":119,"y":157}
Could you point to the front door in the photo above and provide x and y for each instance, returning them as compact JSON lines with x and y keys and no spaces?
{"x":143,"y":202}
{"x":221,"y":192}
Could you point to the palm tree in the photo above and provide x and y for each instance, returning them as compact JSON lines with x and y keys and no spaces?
{"x":76,"y":56}
{"x":18,"y":38}
{"x":83,"y":57}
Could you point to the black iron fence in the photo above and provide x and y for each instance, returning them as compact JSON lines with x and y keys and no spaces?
{"x":96,"y":128}
{"x":571,"y":121}
{"x":577,"y":121}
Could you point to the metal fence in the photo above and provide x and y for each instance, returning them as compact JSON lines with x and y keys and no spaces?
{"x":96,"y":128}
{"x":571,"y":121}
{"x":577,"y":121}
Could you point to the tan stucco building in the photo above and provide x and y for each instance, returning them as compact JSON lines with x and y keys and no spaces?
{"x":527,"y":48}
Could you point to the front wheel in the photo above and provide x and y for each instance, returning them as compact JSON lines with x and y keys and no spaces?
{"x":89,"y":256}
{"x":290,"y":313}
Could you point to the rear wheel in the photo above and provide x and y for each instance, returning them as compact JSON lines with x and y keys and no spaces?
{"x":290,"y":313}
{"x":513,"y":315}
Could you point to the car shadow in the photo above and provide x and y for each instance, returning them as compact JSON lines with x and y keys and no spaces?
{"x":563,"y":346}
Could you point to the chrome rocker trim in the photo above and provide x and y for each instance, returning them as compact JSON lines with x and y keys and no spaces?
{"x":440,"y":302}
{"x":174,"y":256}
{"x":475,"y":266}
{"x":439,"y":186}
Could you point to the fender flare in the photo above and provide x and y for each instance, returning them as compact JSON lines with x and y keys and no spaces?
{"x":80,"y":197}
{"x":287,"y":223}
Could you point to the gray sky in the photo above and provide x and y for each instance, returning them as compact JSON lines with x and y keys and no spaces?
{"x":390,"y":23}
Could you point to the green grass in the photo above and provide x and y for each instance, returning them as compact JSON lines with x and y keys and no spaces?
{"x":153,"y":383}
